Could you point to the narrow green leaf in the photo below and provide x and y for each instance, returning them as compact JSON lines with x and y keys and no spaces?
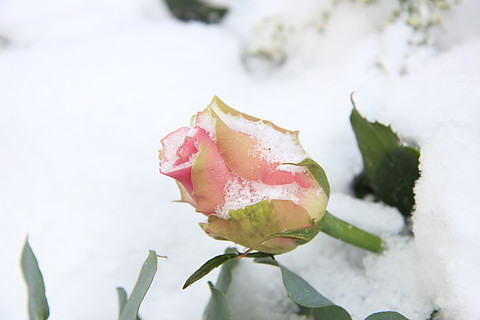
{"x":302,"y":293}
{"x":37,"y":301}
{"x":318,"y":174}
{"x":217,"y":308}
{"x":391,"y":168}
{"x":186,"y":10}
{"x":145,"y":278}
{"x":209,"y":266}
{"x":122,"y":299}
{"x":215,"y":262}
{"x":386,"y":315}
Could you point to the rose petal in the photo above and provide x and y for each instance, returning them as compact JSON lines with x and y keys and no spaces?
{"x":210,"y":174}
{"x":238,"y":150}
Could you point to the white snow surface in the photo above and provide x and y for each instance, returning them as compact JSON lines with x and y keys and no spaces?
{"x":88,"y":89}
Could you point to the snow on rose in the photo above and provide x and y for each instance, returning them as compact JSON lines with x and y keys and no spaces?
{"x":241,"y":172}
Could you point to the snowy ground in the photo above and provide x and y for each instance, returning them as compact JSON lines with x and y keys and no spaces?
{"x":88,"y":88}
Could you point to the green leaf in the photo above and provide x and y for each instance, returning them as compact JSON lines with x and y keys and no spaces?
{"x":186,"y":10}
{"x":391,"y":168}
{"x":122,"y":299}
{"x":318,"y":174}
{"x":386,"y":315}
{"x":37,"y":301}
{"x":215,"y":262}
{"x":217,"y":308}
{"x":209,"y":266}
{"x":305,"y":295}
{"x":145,"y":278}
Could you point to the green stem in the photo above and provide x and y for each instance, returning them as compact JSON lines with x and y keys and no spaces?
{"x":344,"y":231}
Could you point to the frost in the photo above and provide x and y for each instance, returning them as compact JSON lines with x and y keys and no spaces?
{"x":241,"y":193}
{"x":272,"y":145}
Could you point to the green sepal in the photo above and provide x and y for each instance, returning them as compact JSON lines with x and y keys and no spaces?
{"x":317,"y":173}
{"x":301,"y":236}
{"x":253,"y":226}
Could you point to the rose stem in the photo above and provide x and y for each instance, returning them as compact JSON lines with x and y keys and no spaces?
{"x":344,"y":231}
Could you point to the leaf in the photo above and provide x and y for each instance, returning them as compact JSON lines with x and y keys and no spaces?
{"x":209,"y":266}
{"x":391,"y":168}
{"x":186,"y":10}
{"x":122,"y":300}
{"x":386,"y":315}
{"x":215,"y":262}
{"x":145,"y":278}
{"x":37,"y":301}
{"x":217,"y":308}
{"x":305,"y":295}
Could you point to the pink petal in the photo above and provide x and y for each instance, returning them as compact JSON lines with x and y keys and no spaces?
{"x":210,"y":174}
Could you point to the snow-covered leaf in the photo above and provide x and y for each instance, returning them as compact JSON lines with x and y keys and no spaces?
{"x":391,"y":168}
{"x":37,"y":301}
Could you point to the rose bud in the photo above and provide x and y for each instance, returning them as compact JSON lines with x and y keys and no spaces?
{"x":251,"y":178}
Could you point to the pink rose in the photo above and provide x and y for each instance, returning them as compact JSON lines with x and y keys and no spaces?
{"x":251,"y":178}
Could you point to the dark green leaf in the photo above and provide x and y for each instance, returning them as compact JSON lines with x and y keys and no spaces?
{"x":217,"y":261}
{"x":209,"y":266}
{"x":196,"y":10}
{"x":387,"y":315}
{"x":361,"y":186}
{"x":391,"y":169}
{"x":145,"y":278}
{"x":318,"y":174}
{"x":217,"y":308}
{"x":37,"y":301}
{"x":305,"y":295}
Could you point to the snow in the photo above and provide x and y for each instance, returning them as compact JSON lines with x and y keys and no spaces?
{"x":88,"y":89}
{"x":454,"y":212}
